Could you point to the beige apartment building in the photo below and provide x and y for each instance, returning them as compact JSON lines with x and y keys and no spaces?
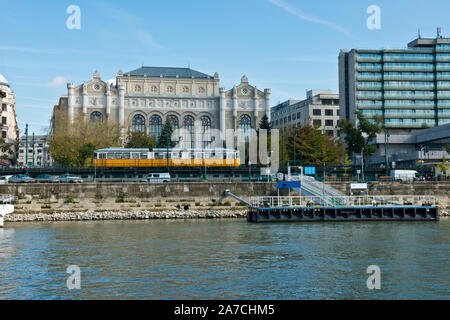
{"x":9,"y":127}
{"x":320,"y":108}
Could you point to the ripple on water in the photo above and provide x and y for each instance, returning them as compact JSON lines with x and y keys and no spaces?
{"x":224,"y":259}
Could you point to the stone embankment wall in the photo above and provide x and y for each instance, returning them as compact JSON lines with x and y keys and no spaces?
{"x":128,"y":215}
{"x":52,"y":202}
{"x":103,"y":197}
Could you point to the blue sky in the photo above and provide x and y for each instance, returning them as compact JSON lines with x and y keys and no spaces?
{"x":289,"y":46}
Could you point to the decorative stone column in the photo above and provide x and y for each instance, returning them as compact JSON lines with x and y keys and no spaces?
{"x":235,"y":107}
{"x":85,"y":99}
{"x":121,"y":106}
{"x":108,"y":101}
{"x":255,"y":106}
{"x":70,"y":101}
{"x":222,"y":105}
{"x":267,"y":99}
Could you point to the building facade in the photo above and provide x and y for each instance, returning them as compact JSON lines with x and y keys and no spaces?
{"x":320,"y":109}
{"x":409,"y":149}
{"x":409,"y":88}
{"x":142,"y":100}
{"x":9,"y":127}
{"x":38,"y":152}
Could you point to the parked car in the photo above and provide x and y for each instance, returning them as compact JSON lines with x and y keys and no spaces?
{"x":265,"y":178}
{"x":69,"y":178}
{"x":20,"y":178}
{"x":156,"y":177}
{"x":46,"y":178}
{"x":4,"y":179}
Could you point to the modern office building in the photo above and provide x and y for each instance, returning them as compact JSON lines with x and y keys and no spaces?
{"x":38,"y":152}
{"x":407,"y":149}
{"x":9,"y":127}
{"x":320,"y":108}
{"x":409,"y":88}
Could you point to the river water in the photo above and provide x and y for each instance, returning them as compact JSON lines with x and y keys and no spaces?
{"x":225,"y":259}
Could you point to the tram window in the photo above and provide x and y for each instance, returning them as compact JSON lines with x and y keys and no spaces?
{"x":110,"y":156}
{"x":126,"y":156}
{"x":143,"y":155}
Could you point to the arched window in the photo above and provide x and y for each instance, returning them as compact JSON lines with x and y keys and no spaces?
{"x":96,"y":116}
{"x":206,"y":131}
{"x":138,"y":123}
{"x":245,"y":125}
{"x":155,"y":126}
{"x":173,"y":120}
{"x":188,"y":126}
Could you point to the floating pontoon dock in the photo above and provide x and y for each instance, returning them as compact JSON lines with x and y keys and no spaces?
{"x":341,"y":208}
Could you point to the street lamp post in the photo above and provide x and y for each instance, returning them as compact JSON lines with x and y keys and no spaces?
{"x":323,"y":184}
{"x":295,"y":140}
{"x":204,"y":159}
{"x":26,"y":147}
{"x":249,"y":170}
{"x":33,"y":149}
{"x":386,"y":142}
{"x":362,"y":164}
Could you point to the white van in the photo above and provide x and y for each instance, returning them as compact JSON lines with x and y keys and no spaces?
{"x":4,"y":179}
{"x":404,"y":175}
{"x":156,"y":177}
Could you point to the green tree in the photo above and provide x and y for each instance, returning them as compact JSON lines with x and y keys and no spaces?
{"x":357,"y":138}
{"x":6,"y":148}
{"x":265,"y":124}
{"x":447,"y":148}
{"x":314,"y":147}
{"x":347,"y":163}
{"x":72,"y":142}
{"x":84,"y":153}
{"x":443,"y":166}
{"x":165,"y":139}
{"x":140,"y":140}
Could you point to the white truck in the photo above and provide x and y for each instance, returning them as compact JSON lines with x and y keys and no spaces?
{"x":404,"y":175}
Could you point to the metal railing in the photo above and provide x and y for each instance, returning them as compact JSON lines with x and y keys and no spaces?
{"x":7,"y":199}
{"x":343,"y":201}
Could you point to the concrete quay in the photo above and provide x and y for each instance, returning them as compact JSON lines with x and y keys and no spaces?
{"x":178,"y":197}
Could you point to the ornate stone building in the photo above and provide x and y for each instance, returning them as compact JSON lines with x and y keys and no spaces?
{"x":145,"y":98}
{"x":9,"y":127}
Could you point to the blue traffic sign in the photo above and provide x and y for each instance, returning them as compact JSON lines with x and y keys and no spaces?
{"x":310,"y":170}
{"x":288,"y":184}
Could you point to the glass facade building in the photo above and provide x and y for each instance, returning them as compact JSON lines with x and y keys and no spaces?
{"x":409,"y":88}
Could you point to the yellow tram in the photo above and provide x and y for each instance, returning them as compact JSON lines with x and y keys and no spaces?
{"x":126,"y":157}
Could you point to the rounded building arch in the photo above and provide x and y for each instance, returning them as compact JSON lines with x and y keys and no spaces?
{"x":245,"y":126}
{"x":96,"y":116}
{"x":155,"y":125}
{"x":138,"y":123}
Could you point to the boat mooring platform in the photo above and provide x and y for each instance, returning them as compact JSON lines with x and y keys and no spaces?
{"x":343,"y":208}
{"x":340,"y":208}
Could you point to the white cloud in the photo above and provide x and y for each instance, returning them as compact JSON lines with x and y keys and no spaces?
{"x":303,"y":16}
{"x":57,"y":81}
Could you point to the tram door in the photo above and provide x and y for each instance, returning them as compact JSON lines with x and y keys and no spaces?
{"x":135,"y":156}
